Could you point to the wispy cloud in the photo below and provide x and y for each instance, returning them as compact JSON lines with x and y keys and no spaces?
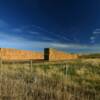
{"x":94,"y":36}
{"x":74,"y":46}
{"x":92,"y":39}
{"x":8,"y":37}
{"x":96,"y":31}
{"x":41,"y":40}
{"x":25,"y":31}
{"x":3,"y":24}
{"x":78,"y":47}
{"x":46,"y":35}
{"x":17,"y":30}
{"x":23,"y":43}
{"x":12,"y":41}
{"x":40,"y":28}
{"x":33,"y":32}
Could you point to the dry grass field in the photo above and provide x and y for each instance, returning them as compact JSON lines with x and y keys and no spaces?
{"x":70,"y":80}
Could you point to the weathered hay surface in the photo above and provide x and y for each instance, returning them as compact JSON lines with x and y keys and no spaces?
{"x":54,"y":54}
{"x":14,"y":54}
{"x":49,"y":54}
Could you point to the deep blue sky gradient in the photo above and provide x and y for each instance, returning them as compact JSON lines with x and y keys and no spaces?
{"x":75,"y":22}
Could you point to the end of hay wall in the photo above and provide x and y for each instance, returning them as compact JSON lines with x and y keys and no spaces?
{"x":53,"y":54}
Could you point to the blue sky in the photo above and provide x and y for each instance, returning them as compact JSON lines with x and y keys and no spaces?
{"x":68,"y":25}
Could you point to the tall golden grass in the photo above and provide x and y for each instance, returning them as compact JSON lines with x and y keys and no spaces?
{"x":73,"y":80}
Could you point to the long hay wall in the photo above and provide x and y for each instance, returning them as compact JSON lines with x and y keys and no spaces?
{"x":53,"y":54}
{"x":14,"y":54}
{"x":49,"y":54}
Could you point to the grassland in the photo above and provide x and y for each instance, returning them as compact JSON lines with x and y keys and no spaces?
{"x":71,"y":80}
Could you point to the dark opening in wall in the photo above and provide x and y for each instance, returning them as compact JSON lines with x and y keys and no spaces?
{"x":46,"y":53}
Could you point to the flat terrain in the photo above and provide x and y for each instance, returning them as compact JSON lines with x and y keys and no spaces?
{"x":68,"y":80}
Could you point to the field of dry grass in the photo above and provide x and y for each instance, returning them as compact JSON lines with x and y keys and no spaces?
{"x":73,"y":80}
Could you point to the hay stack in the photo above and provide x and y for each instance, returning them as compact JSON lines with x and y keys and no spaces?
{"x":53,"y":54}
{"x":14,"y":54}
